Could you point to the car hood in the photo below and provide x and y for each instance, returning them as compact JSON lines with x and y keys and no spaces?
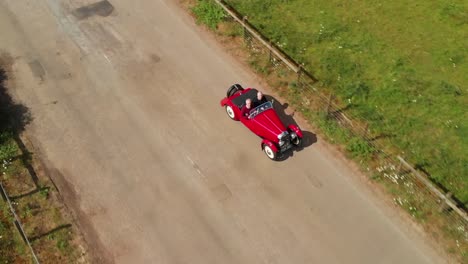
{"x":269,"y":123}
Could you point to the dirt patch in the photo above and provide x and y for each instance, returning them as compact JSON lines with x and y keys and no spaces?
{"x":101,"y":8}
{"x":97,"y":251}
{"x":37,"y":69}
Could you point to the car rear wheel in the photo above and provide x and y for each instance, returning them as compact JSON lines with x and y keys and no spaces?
{"x":269,"y":152}
{"x":230,"y":112}
{"x":233,"y":89}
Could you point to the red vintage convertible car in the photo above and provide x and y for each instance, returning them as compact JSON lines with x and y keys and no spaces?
{"x":263,"y":121}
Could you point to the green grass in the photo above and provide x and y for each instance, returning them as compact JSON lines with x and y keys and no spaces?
{"x":12,"y":247}
{"x":208,"y":14}
{"x":8,"y":148}
{"x":38,"y":214}
{"x":402,"y":65}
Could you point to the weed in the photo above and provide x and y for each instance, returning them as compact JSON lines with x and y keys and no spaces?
{"x":208,"y":13}
{"x":8,"y":148}
{"x":12,"y":247}
{"x":26,"y":211}
{"x":359,"y":148}
{"x":44,"y":192}
{"x":62,"y":245}
{"x":232,"y":30}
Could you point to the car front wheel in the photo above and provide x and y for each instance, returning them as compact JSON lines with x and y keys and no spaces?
{"x":230,"y":112}
{"x":297,"y":141}
{"x":269,"y":152}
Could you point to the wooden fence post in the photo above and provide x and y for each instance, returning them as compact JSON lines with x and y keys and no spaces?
{"x":329,"y":104}
{"x":299,"y":73}
{"x":244,"y":19}
{"x":444,"y":206}
{"x":271,"y":55}
{"x":366,"y":131}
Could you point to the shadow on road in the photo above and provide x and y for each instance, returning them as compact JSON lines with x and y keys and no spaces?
{"x":13,"y":117}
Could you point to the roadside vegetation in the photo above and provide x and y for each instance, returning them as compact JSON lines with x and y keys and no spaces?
{"x":403,"y":79}
{"x":35,"y":201}
{"x":402,"y":66}
{"x":406,"y":77}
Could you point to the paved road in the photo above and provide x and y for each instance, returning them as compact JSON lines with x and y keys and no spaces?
{"x":126,"y":113}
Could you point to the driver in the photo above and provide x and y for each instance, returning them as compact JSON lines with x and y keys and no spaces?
{"x":245,"y":111}
{"x":260,"y":99}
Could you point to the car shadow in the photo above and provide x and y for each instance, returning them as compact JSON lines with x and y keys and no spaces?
{"x":308,"y":138}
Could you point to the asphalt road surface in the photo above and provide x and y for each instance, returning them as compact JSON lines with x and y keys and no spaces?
{"x":125,"y":101}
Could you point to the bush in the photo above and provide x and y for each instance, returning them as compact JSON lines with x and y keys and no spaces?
{"x":8,"y":148}
{"x":208,"y":13}
{"x":360,"y":148}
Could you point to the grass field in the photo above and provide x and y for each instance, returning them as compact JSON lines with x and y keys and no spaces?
{"x":403,"y":66}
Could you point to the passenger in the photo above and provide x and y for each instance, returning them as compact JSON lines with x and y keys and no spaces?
{"x":260,"y":99}
{"x":245,"y":111}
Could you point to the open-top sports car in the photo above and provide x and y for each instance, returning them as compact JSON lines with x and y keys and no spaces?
{"x":262,"y":120}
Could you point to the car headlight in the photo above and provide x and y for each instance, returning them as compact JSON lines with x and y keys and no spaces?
{"x":293,"y":134}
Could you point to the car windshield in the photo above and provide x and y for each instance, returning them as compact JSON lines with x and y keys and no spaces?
{"x":259,"y":109}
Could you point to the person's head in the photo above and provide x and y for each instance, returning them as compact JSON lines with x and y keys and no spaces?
{"x":259,"y":96}
{"x":248,"y":103}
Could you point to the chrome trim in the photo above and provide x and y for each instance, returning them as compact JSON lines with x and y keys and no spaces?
{"x":284,"y":141}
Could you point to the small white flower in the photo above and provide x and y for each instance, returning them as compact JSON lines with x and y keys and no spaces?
{"x":400,"y":201}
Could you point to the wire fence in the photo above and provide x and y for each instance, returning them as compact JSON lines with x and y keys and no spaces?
{"x":436,"y":209}
{"x":17,"y":222}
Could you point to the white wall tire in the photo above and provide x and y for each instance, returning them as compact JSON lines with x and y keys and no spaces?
{"x":269,"y":152}
{"x":230,"y":112}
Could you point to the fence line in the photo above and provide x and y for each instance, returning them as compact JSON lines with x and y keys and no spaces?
{"x":337,"y":114}
{"x":434,"y":189}
{"x":18,"y":224}
{"x":243,"y":21}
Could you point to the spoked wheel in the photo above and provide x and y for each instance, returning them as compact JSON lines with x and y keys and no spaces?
{"x":269,"y":152}
{"x":230,"y":112}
